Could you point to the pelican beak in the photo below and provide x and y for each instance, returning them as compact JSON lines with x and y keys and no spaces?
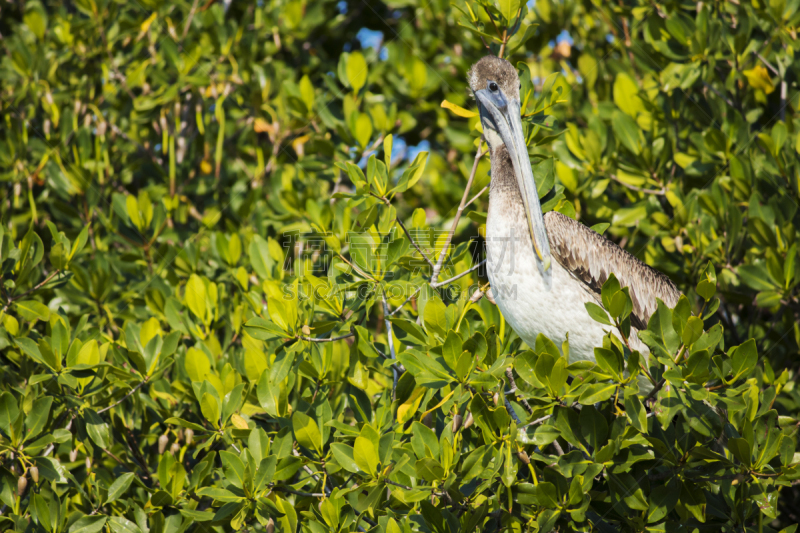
{"x":505,"y":114}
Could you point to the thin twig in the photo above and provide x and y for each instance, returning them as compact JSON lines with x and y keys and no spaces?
{"x":407,"y":300}
{"x":330,"y":339}
{"x":406,"y":487}
{"x":414,"y":244}
{"x":719,"y":94}
{"x":438,"y":268}
{"x":513,"y":383}
{"x":120,"y":461}
{"x":360,"y":272}
{"x":300,"y":493}
{"x":477,"y":196}
{"x":311,"y":473}
{"x":454,"y":278}
{"x":24,"y":294}
{"x":537,"y":421}
{"x":189,"y":20}
{"x":655,"y":389}
{"x":767,"y":63}
{"x":557,"y":446}
{"x":662,"y":192}
{"x":389,"y":334}
{"x":50,"y":448}
{"x":133,"y":390}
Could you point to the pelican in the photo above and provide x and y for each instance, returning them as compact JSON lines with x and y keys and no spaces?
{"x":544,"y":268}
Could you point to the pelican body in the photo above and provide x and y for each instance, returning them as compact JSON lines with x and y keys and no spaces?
{"x":544,"y":268}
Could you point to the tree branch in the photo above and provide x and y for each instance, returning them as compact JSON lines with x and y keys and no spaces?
{"x":133,"y":390}
{"x":330,"y":339}
{"x":438,"y":268}
{"x":29,"y":291}
{"x":390,"y":335}
{"x":454,"y":278}
{"x":662,"y":192}
{"x":414,"y":244}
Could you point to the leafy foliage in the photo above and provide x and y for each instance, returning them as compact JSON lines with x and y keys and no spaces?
{"x":237,"y":293}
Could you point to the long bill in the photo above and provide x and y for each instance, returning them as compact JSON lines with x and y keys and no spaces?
{"x":506,"y":116}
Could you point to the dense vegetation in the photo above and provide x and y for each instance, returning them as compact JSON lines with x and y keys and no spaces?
{"x":229,"y":298}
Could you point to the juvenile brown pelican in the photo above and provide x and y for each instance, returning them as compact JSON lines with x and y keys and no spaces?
{"x":534,"y":294}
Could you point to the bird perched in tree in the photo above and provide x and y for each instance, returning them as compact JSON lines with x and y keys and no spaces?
{"x":544,"y":268}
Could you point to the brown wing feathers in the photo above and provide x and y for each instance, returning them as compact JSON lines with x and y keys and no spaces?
{"x":591,"y":258}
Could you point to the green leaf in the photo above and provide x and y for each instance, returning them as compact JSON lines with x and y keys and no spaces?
{"x":366,"y":457}
{"x":609,"y":361}
{"x":37,"y":417}
{"x":209,"y":406}
{"x":435,"y":319}
{"x":196,"y":296}
{"x":609,"y":289}
{"x":508,"y":9}
{"x":88,"y":524}
{"x":42,"y":510}
{"x":597,"y":313}
{"x":220,"y":495}
{"x":451,"y":350}
{"x":594,"y":427}
{"x":743,"y":358}
{"x":119,"y":524}
{"x":692,"y":331}
{"x":306,"y":431}
{"x":363,"y":130}
{"x":636,"y":413}
{"x":625,"y":488}
{"x":344,"y":457}
{"x":233,"y":467}
{"x":97,"y":428}
{"x":626,"y":95}
{"x":627,"y":132}
{"x":266,"y":472}
{"x":597,"y":392}
{"x":32,"y":310}
{"x":120,"y":486}
{"x":662,"y":500}
{"x":260,"y":258}
{"x":8,"y":412}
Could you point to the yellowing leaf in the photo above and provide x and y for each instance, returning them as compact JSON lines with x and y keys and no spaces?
{"x":196,"y":296}
{"x":196,"y":364}
{"x":262,"y":126}
{"x":458,"y":110}
{"x":567,"y":176}
{"x":363,"y":128}
{"x":239,"y":422}
{"x":146,"y":24}
{"x":356,"y":70}
{"x":299,"y":143}
{"x":132,"y":207}
{"x":255,"y":362}
{"x":626,"y":95}
{"x":307,"y":92}
{"x":89,"y":354}
{"x":150,"y":329}
{"x":438,"y":405}
{"x":758,"y":77}
{"x":408,"y":408}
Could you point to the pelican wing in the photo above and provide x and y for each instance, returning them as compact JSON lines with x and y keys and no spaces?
{"x":591,"y":258}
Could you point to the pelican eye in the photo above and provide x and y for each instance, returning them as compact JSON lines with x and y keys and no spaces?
{"x":492,"y":86}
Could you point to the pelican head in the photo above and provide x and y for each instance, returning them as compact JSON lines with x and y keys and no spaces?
{"x":495,"y":84}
